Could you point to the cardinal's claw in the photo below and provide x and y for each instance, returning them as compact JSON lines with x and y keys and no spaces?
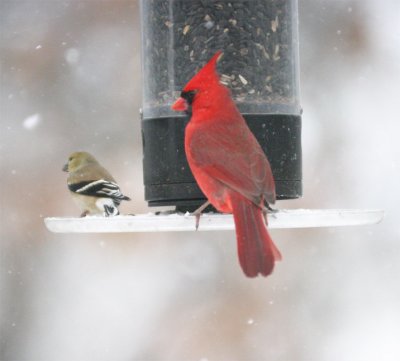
{"x":197,"y":213}
{"x":197,"y":220}
{"x":269,"y":210}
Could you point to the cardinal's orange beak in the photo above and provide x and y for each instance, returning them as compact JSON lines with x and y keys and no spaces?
{"x":180,"y":105}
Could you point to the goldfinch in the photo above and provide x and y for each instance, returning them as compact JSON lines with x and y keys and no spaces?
{"x":92,"y":187}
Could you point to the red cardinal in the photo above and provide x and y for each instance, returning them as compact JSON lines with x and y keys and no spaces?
{"x":229,"y":165}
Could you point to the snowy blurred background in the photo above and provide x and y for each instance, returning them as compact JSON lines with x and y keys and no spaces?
{"x":70,"y":80}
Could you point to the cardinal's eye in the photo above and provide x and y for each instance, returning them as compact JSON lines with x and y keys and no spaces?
{"x":188,"y":96}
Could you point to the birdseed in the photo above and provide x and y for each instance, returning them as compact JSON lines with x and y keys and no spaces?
{"x":260,"y":55}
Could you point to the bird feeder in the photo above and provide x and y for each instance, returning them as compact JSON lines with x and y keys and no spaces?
{"x":260,"y":65}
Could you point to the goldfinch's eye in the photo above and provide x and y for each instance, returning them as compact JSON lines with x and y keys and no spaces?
{"x":70,"y":159}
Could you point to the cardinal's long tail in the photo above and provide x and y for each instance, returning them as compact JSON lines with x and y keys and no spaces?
{"x":257,"y":251}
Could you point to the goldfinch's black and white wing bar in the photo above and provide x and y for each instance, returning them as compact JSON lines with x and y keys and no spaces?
{"x":99,"y":188}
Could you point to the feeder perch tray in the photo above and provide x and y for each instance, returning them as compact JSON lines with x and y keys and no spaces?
{"x":172,"y":222}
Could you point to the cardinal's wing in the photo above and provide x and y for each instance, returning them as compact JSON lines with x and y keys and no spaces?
{"x":230,"y":153}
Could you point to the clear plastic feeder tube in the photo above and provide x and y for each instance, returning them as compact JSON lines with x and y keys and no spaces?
{"x":259,"y":39}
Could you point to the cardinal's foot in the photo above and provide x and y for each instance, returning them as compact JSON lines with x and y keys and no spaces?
{"x":197,"y":213}
{"x":268,"y":210}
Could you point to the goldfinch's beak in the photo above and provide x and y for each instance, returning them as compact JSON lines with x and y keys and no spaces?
{"x":65,"y":168}
{"x":180,"y":105}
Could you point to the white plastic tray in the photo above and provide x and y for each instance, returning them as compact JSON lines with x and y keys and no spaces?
{"x":298,"y":218}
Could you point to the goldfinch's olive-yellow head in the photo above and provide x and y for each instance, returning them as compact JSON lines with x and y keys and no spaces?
{"x":78,"y":160}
